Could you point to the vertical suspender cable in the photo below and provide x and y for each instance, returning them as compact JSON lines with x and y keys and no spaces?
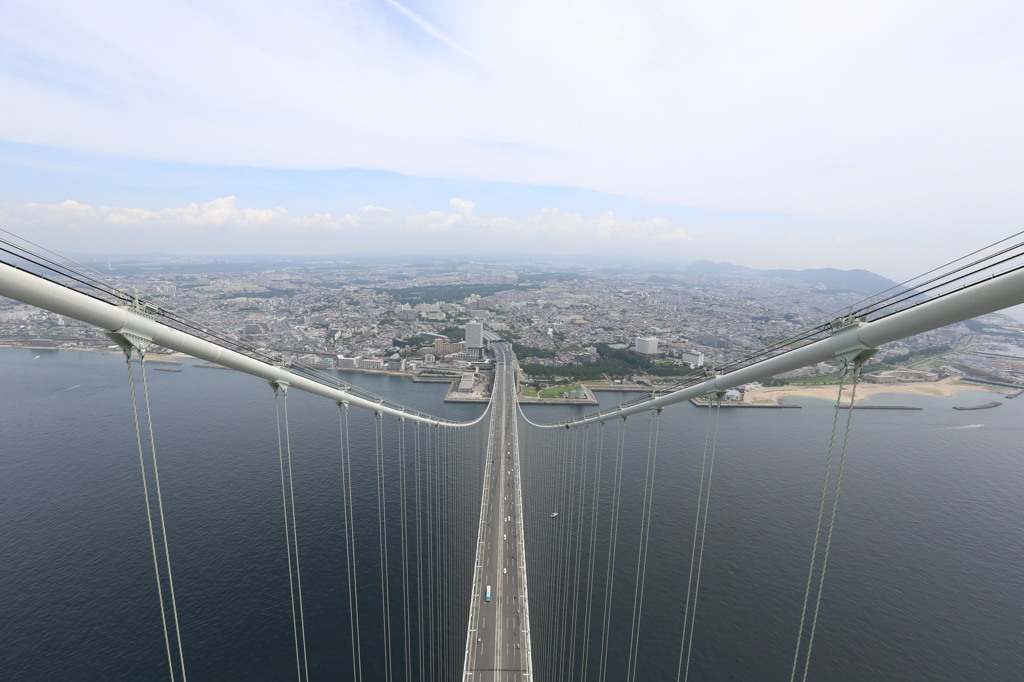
{"x":453,"y":659}
{"x":431,"y":492}
{"x":703,"y":534}
{"x":385,"y":597}
{"x":817,"y":529}
{"x":350,"y":540}
{"x":562,"y":456}
{"x":565,"y":550}
{"x":295,"y":536}
{"x":419,"y":551}
{"x":550,"y":470}
{"x":579,"y":549}
{"x":832,"y":521}
{"x":645,"y":534}
{"x":439,"y":550}
{"x":613,"y":542}
{"x":287,"y":528}
{"x":446,"y":555}
{"x":405,"y":550}
{"x":693,"y":547}
{"x":596,"y":509}
{"x":445,"y":537}
{"x":149,"y":513}
{"x":160,"y":506}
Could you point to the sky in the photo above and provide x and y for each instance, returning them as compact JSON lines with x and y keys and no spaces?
{"x":883,"y":135}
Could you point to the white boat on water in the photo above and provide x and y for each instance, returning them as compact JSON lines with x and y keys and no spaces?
{"x":554,"y":514}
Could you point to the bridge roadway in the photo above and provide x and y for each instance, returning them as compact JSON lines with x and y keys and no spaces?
{"x":498,"y":640}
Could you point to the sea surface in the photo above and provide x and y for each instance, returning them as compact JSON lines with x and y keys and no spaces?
{"x":925,"y":578}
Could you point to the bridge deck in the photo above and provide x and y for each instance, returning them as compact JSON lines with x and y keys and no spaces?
{"x":498,"y":640}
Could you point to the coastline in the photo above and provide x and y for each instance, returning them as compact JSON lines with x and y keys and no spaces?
{"x":766,"y":396}
{"x":105,"y":350}
{"x":945,"y":388}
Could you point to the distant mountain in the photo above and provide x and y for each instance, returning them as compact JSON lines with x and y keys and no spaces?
{"x":828,"y":278}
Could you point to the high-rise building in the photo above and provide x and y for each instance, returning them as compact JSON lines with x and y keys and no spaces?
{"x":647,"y":345}
{"x":474,"y":335}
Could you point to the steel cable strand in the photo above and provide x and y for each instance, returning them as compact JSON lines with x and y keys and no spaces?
{"x":645,"y":534}
{"x":350,"y":550}
{"x":160,"y":506}
{"x":579,"y":550}
{"x":431,"y":493}
{"x":551,"y":461}
{"x":458,"y":533}
{"x":595,"y":517}
{"x":693,"y":549}
{"x":287,"y":528}
{"x":817,"y":529}
{"x":561,"y":570}
{"x":832,"y":521}
{"x":439,"y":539}
{"x":98,"y":283}
{"x":552,"y":441}
{"x":442,"y":557}
{"x":382,"y":515}
{"x":450,"y":535}
{"x":450,"y":659}
{"x":940,"y":280}
{"x":419,"y":549}
{"x":571,"y":588}
{"x":882,"y":308}
{"x":405,"y":548}
{"x":612,"y":545}
{"x":552,"y":564}
{"x":875,"y":300}
{"x":438,"y":554}
{"x":295,"y":535}
{"x":446,"y":538}
{"x":149,"y":513}
{"x":59,"y":270}
{"x":703,"y":536}
{"x":567,"y":556}
{"x":874,"y":305}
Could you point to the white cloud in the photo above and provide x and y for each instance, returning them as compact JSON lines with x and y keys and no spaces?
{"x":462,"y":206}
{"x":219,"y":213}
{"x":79,"y":226}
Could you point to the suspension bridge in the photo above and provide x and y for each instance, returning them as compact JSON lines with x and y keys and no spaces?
{"x":461,"y":596}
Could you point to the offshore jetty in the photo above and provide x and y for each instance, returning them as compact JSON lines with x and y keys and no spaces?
{"x":986,"y":406}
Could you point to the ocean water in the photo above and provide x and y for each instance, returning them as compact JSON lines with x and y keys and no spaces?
{"x":925,"y":579}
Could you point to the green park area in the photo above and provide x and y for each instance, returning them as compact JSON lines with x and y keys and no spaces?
{"x":550,"y":392}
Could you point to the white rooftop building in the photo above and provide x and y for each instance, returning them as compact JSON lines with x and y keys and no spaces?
{"x":647,"y":345}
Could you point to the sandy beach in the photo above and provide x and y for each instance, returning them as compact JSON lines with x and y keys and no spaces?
{"x":945,"y":388}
